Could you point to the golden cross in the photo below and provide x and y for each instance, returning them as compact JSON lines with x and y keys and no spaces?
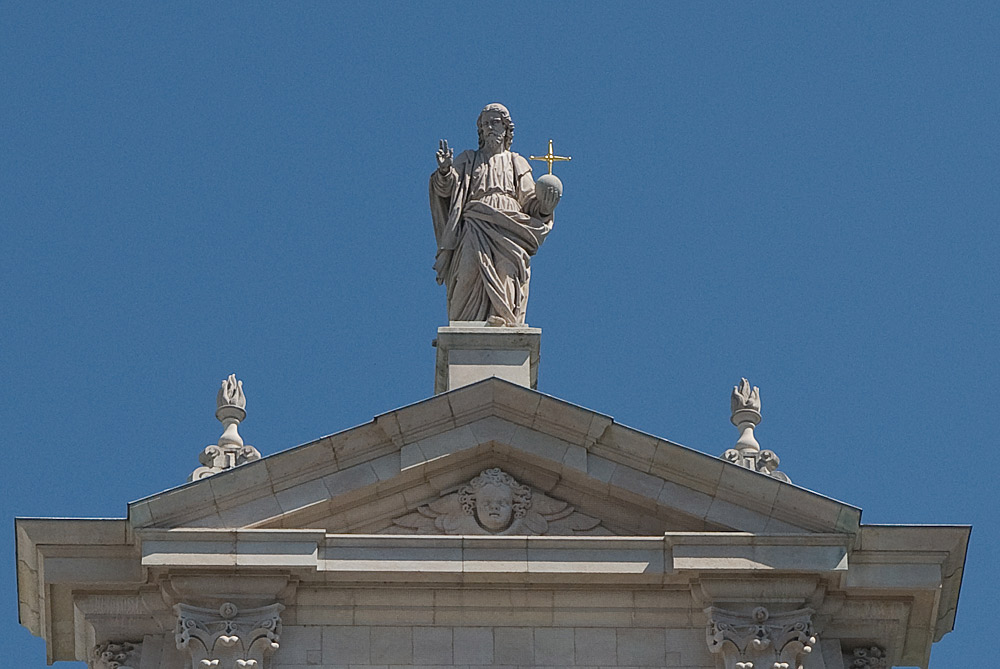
{"x":550,"y":157}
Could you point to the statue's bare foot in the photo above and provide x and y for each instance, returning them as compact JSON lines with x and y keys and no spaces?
{"x":495,"y":321}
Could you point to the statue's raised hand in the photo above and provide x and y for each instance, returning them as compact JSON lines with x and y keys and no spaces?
{"x":548,"y":195}
{"x":444,"y":155}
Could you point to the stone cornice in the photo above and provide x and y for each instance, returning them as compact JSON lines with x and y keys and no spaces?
{"x":504,"y":559}
{"x":97,"y":569}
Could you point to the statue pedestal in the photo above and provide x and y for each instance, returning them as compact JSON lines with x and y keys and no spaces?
{"x":470,"y":351}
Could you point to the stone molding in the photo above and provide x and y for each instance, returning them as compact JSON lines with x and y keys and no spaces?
{"x":228,"y":638}
{"x":760,"y":640}
{"x":117,"y":655}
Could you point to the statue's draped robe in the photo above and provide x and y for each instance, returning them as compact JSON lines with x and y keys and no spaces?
{"x":487,"y":225}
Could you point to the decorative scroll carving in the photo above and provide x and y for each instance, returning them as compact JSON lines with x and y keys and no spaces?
{"x":760,"y":640}
{"x":869,"y":657}
{"x":494,"y":502}
{"x":745,"y":405}
{"x":117,"y":655}
{"x":227,"y":638}
{"x":230,"y":451}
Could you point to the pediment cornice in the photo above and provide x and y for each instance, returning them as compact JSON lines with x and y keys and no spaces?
{"x":407,"y":457}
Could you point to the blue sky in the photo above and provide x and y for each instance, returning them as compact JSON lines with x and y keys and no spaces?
{"x":806,"y":196}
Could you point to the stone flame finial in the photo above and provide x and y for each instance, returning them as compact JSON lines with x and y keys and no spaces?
{"x":230,"y":451}
{"x":745,"y":405}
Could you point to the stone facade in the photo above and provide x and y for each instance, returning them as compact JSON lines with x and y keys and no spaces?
{"x":489,"y":526}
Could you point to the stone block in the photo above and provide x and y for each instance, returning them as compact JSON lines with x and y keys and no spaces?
{"x":392,"y":645}
{"x":473,"y":645}
{"x":386,"y":467}
{"x":446,"y":443}
{"x":798,"y":506}
{"x":427,"y":417}
{"x":736,"y":517}
{"x":684,"y":499}
{"x":252,"y":512}
{"x":630,"y":446}
{"x":139,"y":514}
{"x":297,"y":643}
{"x":575,"y":458}
{"x":639,"y":647}
{"x":350,"y":479}
{"x":600,"y":468}
{"x":193,"y":499}
{"x":595,"y":645}
{"x":690,"y":645}
{"x":514,"y":646}
{"x":346,"y":645}
{"x":539,"y":444}
{"x":302,"y":495}
{"x":239,"y":482}
{"x":554,"y":646}
{"x":493,"y":428}
{"x":474,"y":401}
{"x":303,"y":461}
{"x":743,"y":486}
{"x":471,"y":352}
{"x":637,"y":486}
{"x":432,"y":646}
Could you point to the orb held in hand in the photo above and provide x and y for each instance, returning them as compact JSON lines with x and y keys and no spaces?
{"x":547,"y":181}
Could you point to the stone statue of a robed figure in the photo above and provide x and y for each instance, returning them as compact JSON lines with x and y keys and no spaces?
{"x":489,"y":219}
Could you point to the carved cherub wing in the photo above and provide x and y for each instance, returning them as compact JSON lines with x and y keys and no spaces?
{"x":553,"y":516}
{"x":442,"y":516}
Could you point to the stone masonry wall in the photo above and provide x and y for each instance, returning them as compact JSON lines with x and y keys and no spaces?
{"x":420,"y":647}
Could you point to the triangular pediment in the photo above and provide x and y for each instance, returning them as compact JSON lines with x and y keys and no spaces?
{"x":566,"y":469}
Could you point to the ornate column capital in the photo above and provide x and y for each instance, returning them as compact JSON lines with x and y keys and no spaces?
{"x":228,"y":638}
{"x":760,"y":640}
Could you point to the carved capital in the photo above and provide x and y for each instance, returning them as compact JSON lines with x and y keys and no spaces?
{"x":228,"y":638}
{"x":117,"y":655}
{"x":760,"y":640}
{"x":868,"y":657}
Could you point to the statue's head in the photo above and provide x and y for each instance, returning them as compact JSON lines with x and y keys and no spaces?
{"x":495,"y":499}
{"x":491,"y":112}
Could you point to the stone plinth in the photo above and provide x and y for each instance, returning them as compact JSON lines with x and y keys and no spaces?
{"x":470,"y":351}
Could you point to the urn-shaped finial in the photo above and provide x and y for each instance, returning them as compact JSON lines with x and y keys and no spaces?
{"x":230,"y":452}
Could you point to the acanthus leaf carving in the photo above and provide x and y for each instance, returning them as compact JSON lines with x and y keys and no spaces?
{"x":228,"y":638}
{"x":761,"y":640}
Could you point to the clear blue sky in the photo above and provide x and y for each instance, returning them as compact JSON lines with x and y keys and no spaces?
{"x":806,"y":196}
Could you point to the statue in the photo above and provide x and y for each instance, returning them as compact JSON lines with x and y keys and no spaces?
{"x":489,"y":219}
